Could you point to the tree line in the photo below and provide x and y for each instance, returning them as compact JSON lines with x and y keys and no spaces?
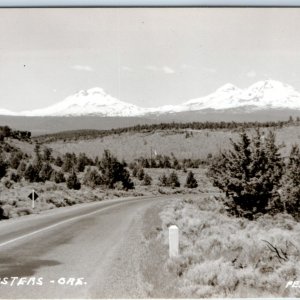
{"x":92,"y":134}
{"x":7,"y":132}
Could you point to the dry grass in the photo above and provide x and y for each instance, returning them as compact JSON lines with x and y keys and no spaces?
{"x":223,"y":256}
{"x":130,"y":146}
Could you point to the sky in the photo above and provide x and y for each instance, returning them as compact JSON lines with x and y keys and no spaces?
{"x":145,"y":56}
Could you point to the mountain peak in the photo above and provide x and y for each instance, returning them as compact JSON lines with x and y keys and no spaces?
{"x":228,"y":87}
{"x":262,"y":95}
{"x":92,"y":91}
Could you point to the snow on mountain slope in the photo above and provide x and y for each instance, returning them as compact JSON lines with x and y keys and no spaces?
{"x":268,"y":94}
{"x":263,"y":95}
{"x":88,"y":102}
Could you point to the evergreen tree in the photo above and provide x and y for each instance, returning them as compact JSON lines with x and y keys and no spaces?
{"x":249,"y":174}
{"x":47,"y":154}
{"x":38,"y":157}
{"x":191,"y":182}
{"x":82,"y":162}
{"x":290,"y":191}
{"x":58,"y":161}
{"x":31,"y":173}
{"x":58,"y":177}
{"x":163,"y":180}
{"x":73,"y":182}
{"x":173,"y":180}
{"x":46,"y":171}
{"x":3,"y":167}
{"x":147,"y":179}
{"x":113,"y":171}
{"x":68,"y":162}
{"x":15,"y":159}
{"x":140,"y":174}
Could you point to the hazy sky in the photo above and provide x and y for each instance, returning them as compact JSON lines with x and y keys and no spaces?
{"x":147,"y":57}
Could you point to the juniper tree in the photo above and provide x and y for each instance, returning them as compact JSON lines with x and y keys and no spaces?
{"x":249,"y":173}
{"x":92,"y":178}
{"x":173,"y":180}
{"x":3,"y":167}
{"x":163,"y":180}
{"x":31,"y":173}
{"x":191,"y":181}
{"x":290,"y":191}
{"x":147,"y":179}
{"x":113,"y":171}
{"x":73,"y":182}
{"x":58,"y":177}
{"x":58,"y":161}
{"x":140,"y":173}
{"x":46,"y":171}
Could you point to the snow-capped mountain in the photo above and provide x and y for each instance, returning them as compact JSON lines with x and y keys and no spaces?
{"x":268,"y":94}
{"x":88,"y":102}
{"x":263,"y":95}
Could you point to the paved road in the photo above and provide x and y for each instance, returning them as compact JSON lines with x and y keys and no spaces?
{"x":85,"y":251}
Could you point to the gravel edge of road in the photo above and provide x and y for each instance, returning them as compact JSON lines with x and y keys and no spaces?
{"x":158,"y":281}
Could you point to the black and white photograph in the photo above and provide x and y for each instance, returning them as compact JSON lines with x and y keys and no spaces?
{"x":149,"y":152}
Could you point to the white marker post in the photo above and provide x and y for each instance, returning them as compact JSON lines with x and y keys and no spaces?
{"x":173,"y":241}
{"x":33,"y":198}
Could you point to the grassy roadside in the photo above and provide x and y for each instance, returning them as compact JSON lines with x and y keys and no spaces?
{"x":222,"y":256}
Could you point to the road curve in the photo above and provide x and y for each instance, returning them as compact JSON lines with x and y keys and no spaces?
{"x":85,"y":251}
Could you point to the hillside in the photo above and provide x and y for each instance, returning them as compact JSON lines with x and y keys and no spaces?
{"x":182,"y":143}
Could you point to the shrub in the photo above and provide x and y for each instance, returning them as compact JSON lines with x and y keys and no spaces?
{"x":15,"y":177}
{"x":58,"y":177}
{"x":135,"y":171}
{"x":69,"y":161}
{"x":163,"y":180}
{"x":119,"y":185}
{"x":58,"y":161}
{"x":191,"y":182}
{"x":7,"y":183}
{"x":140,"y":174}
{"x":31,"y":173}
{"x":92,"y":178}
{"x":15,"y":159}
{"x":147,"y":179}
{"x":173,"y":180}
{"x":73,"y":182}
{"x":82,"y":162}
{"x":47,"y":154}
{"x":46,"y":171}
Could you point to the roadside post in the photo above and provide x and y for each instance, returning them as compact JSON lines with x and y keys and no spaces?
{"x":33,"y":196}
{"x":173,"y":241}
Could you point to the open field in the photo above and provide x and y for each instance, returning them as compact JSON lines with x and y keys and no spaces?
{"x":130,"y":146}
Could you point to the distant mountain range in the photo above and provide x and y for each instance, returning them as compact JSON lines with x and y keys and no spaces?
{"x":261,"y":96}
